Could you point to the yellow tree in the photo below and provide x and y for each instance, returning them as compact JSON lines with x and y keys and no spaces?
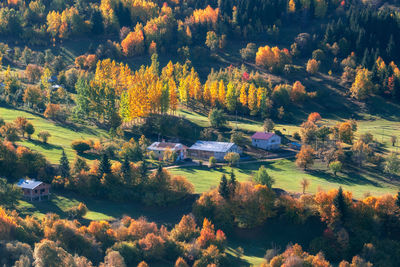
{"x":214,"y":93}
{"x":206,"y":94}
{"x":221,"y":93}
{"x":243,"y":96}
{"x":362,"y":86}
{"x":252,"y":99}
{"x":292,"y":6}
{"x":173,"y":97}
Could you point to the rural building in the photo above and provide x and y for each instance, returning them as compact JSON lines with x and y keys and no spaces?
{"x":160,"y":147}
{"x":34,"y":190}
{"x":267,"y":141}
{"x":207,"y":149}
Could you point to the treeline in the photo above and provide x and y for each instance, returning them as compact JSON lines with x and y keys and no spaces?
{"x":126,"y":242}
{"x":150,"y":24}
{"x":146,"y":91}
{"x":368,"y":228}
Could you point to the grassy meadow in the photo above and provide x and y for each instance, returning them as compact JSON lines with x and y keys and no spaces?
{"x":61,"y":135}
{"x":288,"y":176}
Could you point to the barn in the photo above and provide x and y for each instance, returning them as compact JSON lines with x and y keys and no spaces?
{"x":208,"y":149}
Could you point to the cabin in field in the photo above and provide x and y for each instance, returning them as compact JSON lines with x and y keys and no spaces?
{"x":206,"y":149}
{"x":34,"y":190}
{"x":160,"y":147}
{"x":267,"y":141}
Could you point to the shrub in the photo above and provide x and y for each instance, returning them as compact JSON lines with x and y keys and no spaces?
{"x":77,"y":211}
{"x":232,"y":158}
{"x":80,"y":146}
{"x":44,"y":136}
{"x":211,"y":162}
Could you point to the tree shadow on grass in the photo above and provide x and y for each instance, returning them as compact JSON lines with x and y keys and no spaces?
{"x":46,"y":146}
{"x":46,"y":206}
{"x":351,"y":178}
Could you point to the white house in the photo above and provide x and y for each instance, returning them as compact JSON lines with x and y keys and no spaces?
{"x":159,"y":147}
{"x":207,"y":149}
{"x":267,"y":141}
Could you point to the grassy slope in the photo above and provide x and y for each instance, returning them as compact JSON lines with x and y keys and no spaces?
{"x":104,"y":209}
{"x":61,"y":135}
{"x":288,"y":176}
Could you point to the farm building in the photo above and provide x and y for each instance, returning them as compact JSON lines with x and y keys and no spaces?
{"x":294,"y":145}
{"x":267,"y":141}
{"x":207,"y":149}
{"x":160,"y":147}
{"x":34,"y":190}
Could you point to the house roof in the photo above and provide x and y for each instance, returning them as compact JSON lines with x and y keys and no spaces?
{"x":28,"y":184}
{"x":212,"y":146}
{"x":166,"y":145}
{"x":262,"y":135}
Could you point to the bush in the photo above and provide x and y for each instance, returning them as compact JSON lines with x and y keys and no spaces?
{"x":80,"y":146}
{"x":211,"y":162}
{"x":44,"y":136}
{"x":232,"y":157}
{"x":77,"y":211}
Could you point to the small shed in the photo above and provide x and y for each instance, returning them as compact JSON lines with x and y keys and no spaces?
{"x":295,"y":145}
{"x":265,"y":140}
{"x":208,"y":149}
{"x":34,"y":190}
{"x":160,"y":147}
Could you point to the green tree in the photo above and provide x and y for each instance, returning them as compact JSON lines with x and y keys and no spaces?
{"x":211,"y":162}
{"x":64,"y":168}
{"x":126,"y":169}
{"x":340,"y":203}
{"x":29,"y":129}
{"x":217,"y":118}
{"x":335,"y":166}
{"x":268,"y":125}
{"x":262,"y":177}
{"x":80,"y":146}
{"x":232,"y":183}
{"x":10,"y":194}
{"x":392,"y":165}
{"x":223,"y":188}
{"x":79,"y":165}
{"x":105,"y":164}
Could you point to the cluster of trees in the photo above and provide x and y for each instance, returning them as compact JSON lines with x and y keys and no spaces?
{"x":327,"y":144}
{"x":348,"y":223}
{"x":127,"y":242}
{"x":18,"y":161}
{"x":148,"y":91}
{"x":122,"y":181}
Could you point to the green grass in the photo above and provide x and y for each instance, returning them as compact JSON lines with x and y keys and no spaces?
{"x":288,"y":176}
{"x":103,"y":209}
{"x":61,"y":135}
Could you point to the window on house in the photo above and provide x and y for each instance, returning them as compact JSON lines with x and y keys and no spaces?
{"x":42,"y":191}
{"x":35,"y":191}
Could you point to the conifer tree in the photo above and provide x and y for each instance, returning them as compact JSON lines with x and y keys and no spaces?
{"x":105,"y":165}
{"x":64,"y":165}
{"x":340,"y":203}
{"x":232,"y":183}
{"x":223,"y":188}
{"x":125,"y":169}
